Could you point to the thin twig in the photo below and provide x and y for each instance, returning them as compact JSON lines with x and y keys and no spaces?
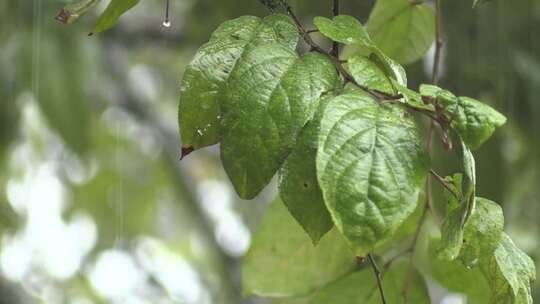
{"x":444,"y":183}
{"x":335,"y":45}
{"x":377,"y":273}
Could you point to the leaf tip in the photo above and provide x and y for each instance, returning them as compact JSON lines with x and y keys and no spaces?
{"x":185,"y":151}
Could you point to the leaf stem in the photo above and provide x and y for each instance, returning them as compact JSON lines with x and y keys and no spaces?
{"x":377,"y":273}
{"x":444,"y":183}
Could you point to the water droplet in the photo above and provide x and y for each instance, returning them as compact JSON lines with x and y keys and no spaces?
{"x":167,"y":23}
{"x":199,"y":132}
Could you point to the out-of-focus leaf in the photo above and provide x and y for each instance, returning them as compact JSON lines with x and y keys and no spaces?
{"x":61,"y":89}
{"x":74,"y":10}
{"x":454,"y":276}
{"x":476,"y":3}
{"x":510,"y":273}
{"x":402,"y":284}
{"x":9,"y":118}
{"x":298,"y":185}
{"x":283,"y":262}
{"x":371,"y":166}
{"x":205,"y":77}
{"x":271,"y":94}
{"x":112,"y":13}
{"x":403,"y":29}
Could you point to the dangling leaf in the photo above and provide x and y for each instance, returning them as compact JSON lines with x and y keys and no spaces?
{"x":402,"y":284}
{"x":204,"y":78}
{"x":112,"y":13}
{"x":403,"y":29}
{"x":510,"y":273}
{"x":371,"y":167}
{"x":283,"y":262}
{"x":298,"y":185}
{"x":270,"y":96}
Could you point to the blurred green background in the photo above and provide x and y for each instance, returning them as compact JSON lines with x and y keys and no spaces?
{"x":95,"y":206}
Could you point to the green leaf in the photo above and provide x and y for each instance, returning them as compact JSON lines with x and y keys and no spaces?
{"x":74,"y":10}
{"x":510,"y":273}
{"x":474,"y":121}
{"x":205,"y":77}
{"x":483,"y":232}
{"x":412,"y":98}
{"x":455,"y":277}
{"x":282,"y":261}
{"x":344,"y":29}
{"x":348,"y":30}
{"x":112,"y":13}
{"x":270,"y":96}
{"x":370,"y":166}
{"x":298,"y":185}
{"x":367,"y":73}
{"x":402,"y":284}
{"x":402,"y":29}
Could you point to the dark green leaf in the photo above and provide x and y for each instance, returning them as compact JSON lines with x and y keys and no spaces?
{"x":112,"y":13}
{"x":402,"y":284}
{"x":283,"y":262}
{"x":270,"y":96}
{"x":510,"y":273}
{"x":370,"y":166}
{"x":204,"y":78}
{"x":298,"y":185}
{"x":402,"y":29}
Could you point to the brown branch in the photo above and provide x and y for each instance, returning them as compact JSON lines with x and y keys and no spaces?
{"x":377,"y":273}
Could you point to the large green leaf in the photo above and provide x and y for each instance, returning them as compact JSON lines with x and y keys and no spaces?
{"x":402,"y":29}
{"x":298,"y":185}
{"x":402,"y":284}
{"x":348,"y":30}
{"x":283,"y":262}
{"x":112,"y":13}
{"x":510,"y":273}
{"x":370,"y":166}
{"x":204,"y":78}
{"x":270,"y":96}
{"x":455,"y":277}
